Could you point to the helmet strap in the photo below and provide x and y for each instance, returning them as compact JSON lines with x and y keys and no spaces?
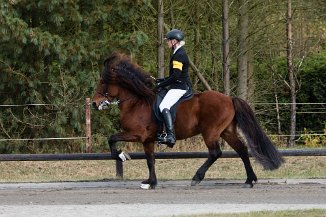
{"x":174,"y":45}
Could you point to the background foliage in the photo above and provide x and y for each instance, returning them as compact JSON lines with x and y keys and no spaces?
{"x":51,"y":53}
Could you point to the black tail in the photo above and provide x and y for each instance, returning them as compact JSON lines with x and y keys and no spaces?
{"x":260,"y":145}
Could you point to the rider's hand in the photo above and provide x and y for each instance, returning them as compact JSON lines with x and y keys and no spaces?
{"x":157,"y":88}
{"x":159,"y":80}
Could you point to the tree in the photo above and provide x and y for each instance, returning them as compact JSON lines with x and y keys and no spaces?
{"x":290,"y":67}
{"x":242,"y":88}
{"x":160,"y":34}
{"x":50,"y":53}
{"x":226,"y":47}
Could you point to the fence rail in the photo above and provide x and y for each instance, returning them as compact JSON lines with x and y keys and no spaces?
{"x":140,"y":156}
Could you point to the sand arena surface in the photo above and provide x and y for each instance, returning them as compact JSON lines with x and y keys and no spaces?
{"x":125,"y":198}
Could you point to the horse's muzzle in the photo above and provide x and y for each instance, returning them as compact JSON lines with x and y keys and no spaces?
{"x":103,"y":105}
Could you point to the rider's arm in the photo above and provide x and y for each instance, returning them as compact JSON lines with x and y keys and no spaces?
{"x":174,"y":76}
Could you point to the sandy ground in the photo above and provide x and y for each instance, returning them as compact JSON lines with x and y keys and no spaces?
{"x":125,"y":198}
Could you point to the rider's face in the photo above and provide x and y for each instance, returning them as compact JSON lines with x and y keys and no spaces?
{"x":170,"y":43}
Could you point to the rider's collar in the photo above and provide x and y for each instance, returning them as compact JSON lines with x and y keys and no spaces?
{"x":177,"y":47}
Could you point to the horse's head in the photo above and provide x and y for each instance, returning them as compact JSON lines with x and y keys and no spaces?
{"x":106,"y":89}
{"x":120,"y":74}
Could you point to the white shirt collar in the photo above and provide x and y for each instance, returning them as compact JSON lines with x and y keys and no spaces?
{"x":177,"y":48}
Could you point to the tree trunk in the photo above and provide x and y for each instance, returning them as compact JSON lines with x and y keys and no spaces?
{"x":196,"y":50}
{"x":226,"y":47}
{"x":160,"y":38}
{"x":290,"y":67}
{"x":215,"y":76}
{"x":277,"y":107}
{"x":251,"y":79}
{"x":199,"y":75}
{"x":242,"y":57}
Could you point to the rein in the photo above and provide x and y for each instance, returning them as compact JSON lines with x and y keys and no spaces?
{"x":105,"y":103}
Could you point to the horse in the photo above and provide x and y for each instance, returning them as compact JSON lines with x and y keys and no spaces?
{"x":209,"y":113}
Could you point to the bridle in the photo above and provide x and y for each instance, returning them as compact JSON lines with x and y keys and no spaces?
{"x":105,"y":103}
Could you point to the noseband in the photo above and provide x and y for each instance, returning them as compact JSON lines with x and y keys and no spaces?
{"x":104,"y":104}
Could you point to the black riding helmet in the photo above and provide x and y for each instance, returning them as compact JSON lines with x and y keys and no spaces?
{"x":175,"y":34}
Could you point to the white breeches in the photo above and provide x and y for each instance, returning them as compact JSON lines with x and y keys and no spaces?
{"x":171,"y":98}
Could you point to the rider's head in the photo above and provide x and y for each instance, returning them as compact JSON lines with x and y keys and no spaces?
{"x":174,"y":37}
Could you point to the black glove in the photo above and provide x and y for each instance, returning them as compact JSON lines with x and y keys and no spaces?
{"x":158,"y":83}
{"x":157,"y":88}
{"x":159,"y":80}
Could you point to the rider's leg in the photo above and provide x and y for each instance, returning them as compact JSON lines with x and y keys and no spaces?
{"x":169,"y":139}
{"x":169,"y":100}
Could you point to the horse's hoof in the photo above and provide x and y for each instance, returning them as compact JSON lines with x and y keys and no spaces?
{"x":194,"y":182}
{"x":247,"y":185}
{"x":146,"y":186}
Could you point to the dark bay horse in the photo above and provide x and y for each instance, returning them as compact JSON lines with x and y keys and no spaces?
{"x":211,"y":114}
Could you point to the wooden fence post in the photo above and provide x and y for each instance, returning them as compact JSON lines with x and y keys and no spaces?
{"x":88,"y":125}
{"x":119,"y":169}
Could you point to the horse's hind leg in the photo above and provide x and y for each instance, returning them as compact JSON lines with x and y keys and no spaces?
{"x":242,"y":151}
{"x":214,"y":154}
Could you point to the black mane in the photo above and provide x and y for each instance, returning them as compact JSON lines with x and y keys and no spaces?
{"x":119,"y":68}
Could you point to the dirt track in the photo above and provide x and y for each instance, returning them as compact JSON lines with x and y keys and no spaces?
{"x":125,"y":198}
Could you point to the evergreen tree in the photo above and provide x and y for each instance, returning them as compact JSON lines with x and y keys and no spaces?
{"x":51,"y":53}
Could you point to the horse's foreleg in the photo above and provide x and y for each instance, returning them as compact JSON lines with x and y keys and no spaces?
{"x":214,"y":154}
{"x":151,"y":182}
{"x":118,"y":154}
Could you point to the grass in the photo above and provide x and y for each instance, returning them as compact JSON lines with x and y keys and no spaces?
{"x":286,"y":213}
{"x":49,"y":171}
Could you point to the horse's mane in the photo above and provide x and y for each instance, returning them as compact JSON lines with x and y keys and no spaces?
{"x":129,"y":75}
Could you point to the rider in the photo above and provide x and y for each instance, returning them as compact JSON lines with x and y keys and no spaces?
{"x":178,"y":83}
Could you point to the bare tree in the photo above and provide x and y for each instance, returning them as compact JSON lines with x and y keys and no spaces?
{"x":160,"y":36}
{"x":196,"y":39}
{"x":226,"y":47}
{"x":242,"y":87}
{"x":290,"y":68}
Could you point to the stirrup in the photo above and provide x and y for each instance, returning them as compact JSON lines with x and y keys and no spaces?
{"x":162,"y":137}
{"x":165,"y":141}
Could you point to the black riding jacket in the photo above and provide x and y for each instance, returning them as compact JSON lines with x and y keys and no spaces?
{"x":178,"y":72}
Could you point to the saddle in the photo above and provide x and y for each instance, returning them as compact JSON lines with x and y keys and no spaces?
{"x":173,"y":110}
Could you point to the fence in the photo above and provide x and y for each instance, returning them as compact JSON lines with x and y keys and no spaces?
{"x":139,"y":156}
{"x":135,"y":155}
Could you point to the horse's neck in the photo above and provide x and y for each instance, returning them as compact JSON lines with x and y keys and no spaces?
{"x":130,"y":101}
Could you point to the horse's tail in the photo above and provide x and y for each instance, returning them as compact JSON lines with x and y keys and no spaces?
{"x":260,"y":145}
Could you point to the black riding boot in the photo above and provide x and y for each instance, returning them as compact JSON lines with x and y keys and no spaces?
{"x":169,"y":137}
